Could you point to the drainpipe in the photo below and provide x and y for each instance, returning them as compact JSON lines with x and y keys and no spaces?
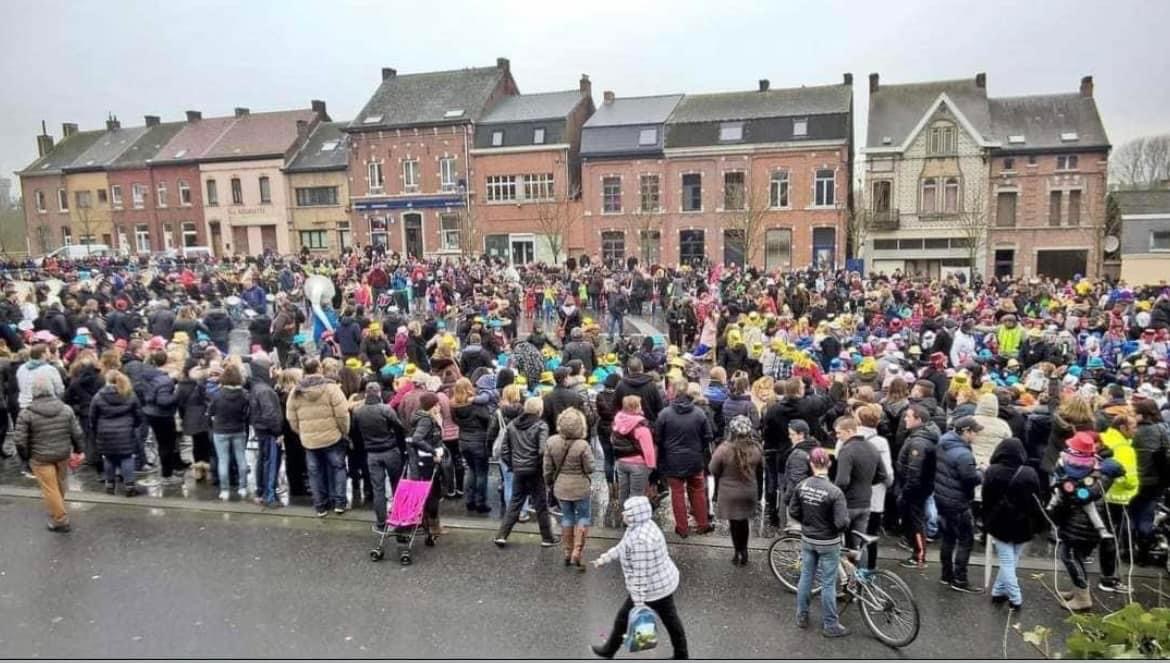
{"x":467,"y":187}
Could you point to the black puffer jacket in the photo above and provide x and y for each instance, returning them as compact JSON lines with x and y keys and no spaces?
{"x":607,"y":408}
{"x":1152,"y":446}
{"x":219,"y":326}
{"x":645,"y":386}
{"x":916,"y":461}
{"x":684,"y":437}
{"x":1011,"y":495}
{"x":775,"y":427}
{"x":1036,"y":431}
{"x":955,"y":476}
{"x":81,"y":390}
{"x":47,"y":430}
{"x":162,"y":323}
{"x":557,"y":401}
{"x":113,"y":418}
{"x":158,"y":390}
{"x":425,"y":437}
{"x":473,"y":420}
{"x":229,"y":410}
{"x":264,"y":411}
{"x":523,"y":446}
{"x":582,"y":351}
{"x":192,"y":402}
{"x":378,"y":426}
{"x":508,"y":412}
{"x":812,"y":408}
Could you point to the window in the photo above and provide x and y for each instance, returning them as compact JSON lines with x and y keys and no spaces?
{"x":951,"y":195}
{"x":184,"y":193}
{"x":538,"y":136}
{"x":116,"y":195}
{"x":168,"y":239}
{"x":265,"y":191}
{"x":343,"y":235}
{"x":314,"y":239}
{"x":103,"y":197}
{"x":84,"y":199}
{"x":692,"y":200}
{"x":1054,"y":208}
{"x":538,"y":187}
{"x":501,"y":188}
{"x":648,"y":137}
{"x":449,"y":229}
{"x":161,"y":194}
{"x":138,"y":194}
{"x":237,"y":192}
{"x":374,"y":176}
{"x":1074,"y":208}
{"x":378,"y":231}
{"x":651,"y":196}
{"x":942,"y":139}
{"x":613,"y":246}
{"x":692,"y":247}
{"x":733,"y":191}
{"x":447,"y":173}
{"x":497,"y":138}
{"x":316,"y":196}
{"x":190,"y":236}
{"x":651,"y":241}
{"x":779,"y":189}
{"x":410,"y":178}
{"x":881,"y":195}
{"x":40,"y":198}
{"x":1067,"y":162}
{"x":825,"y":188}
{"x":611,"y":195}
{"x":1160,"y":240}
{"x":910,"y":244}
{"x":778,"y":248}
{"x":1031,"y":159}
{"x":730,"y":131}
{"x":885,"y":245}
{"x":1009,"y":164}
{"x":937,"y":243}
{"x":1005,"y":209}
{"x":212,"y":194}
{"x":800,"y":127}
{"x":66,"y":236}
{"x":142,"y":238}
{"x":62,"y":200}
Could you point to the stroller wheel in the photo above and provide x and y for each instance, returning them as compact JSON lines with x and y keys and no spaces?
{"x":404,"y":559}
{"x":376,"y":555}
{"x":429,"y":541}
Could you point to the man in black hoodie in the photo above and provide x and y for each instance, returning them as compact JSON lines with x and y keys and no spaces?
{"x":377,"y":425}
{"x":219,"y":325}
{"x":684,"y":435}
{"x":644,"y":386}
{"x":859,"y":467}
{"x":915,"y":476}
{"x":561,"y":398}
{"x":475,"y":356}
{"x":778,"y":418}
{"x":267,"y":420}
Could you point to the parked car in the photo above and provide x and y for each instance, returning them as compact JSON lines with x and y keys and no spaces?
{"x":78,"y":252}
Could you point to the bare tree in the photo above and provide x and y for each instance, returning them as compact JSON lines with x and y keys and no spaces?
{"x":1142,"y":163}
{"x":468,"y":244}
{"x":857,"y":222}
{"x":641,"y":223}
{"x":973,"y":225}
{"x":555,"y":219}
{"x":748,"y":206}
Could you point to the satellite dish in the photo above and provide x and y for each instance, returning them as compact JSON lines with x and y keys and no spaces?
{"x":1112,"y":243}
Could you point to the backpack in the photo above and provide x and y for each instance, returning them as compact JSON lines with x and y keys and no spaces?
{"x":626,"y":444}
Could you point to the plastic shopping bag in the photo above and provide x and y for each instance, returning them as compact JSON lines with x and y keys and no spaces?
{"x":641,"y":629}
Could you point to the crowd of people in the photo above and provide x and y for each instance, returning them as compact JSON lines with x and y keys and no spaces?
{"x":927,"y":408}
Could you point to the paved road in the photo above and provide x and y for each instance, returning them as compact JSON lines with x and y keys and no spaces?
{"x":138,"y":582}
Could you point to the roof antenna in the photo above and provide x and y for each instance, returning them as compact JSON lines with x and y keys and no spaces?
{"x":44,"y":130}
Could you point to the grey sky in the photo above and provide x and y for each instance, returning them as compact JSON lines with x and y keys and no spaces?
{"x":76,"y":61}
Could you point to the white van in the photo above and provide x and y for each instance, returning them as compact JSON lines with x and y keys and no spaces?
{"x":78,"y":252}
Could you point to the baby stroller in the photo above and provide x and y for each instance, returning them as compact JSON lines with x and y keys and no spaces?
{"x":407,"y":515}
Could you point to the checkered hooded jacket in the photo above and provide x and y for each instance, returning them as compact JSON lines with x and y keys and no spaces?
{"x":650,"y":573}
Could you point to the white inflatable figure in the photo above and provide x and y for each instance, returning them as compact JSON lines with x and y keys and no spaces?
{"x":319,"y":290}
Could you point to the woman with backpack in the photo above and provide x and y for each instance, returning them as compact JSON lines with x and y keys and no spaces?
{"x":568,"y":467}
{"x":736,"y":466}
{"x":633,"y":449}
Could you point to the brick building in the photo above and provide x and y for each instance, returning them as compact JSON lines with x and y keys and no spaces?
{"x":154,"y":207}
{"x":318,"y":183}
{"x":43,"y":187}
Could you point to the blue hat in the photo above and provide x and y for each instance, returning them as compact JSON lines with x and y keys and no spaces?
{"x":1075,"y":371}
{"x":1095,"y":363}
{"x":300,"y":339}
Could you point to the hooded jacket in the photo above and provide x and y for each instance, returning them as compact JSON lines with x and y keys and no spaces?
{"x":47,"y":431}
{"x":625,"y":423}
{"x":265,"y":414}
{"x":684,"y":436}
{"x":523,"y":447}
{"x":349,"y":336}
{"x":955,"y":476}
{"x":81,"y":390}
{"x":229,"y":410}
{"x":916,"y":461}
{"x":995,"y":430}
{"x":644,"y":386}
{"x":473,"y":420}
{"x":425,"y":438}
{"x":379,"y":426}
{"x":568,"y":460}
{"x":1151,"y":444}
{"x":27,"y":374}
{"x":649,"y":572}
{"x":158,"y":392}
{"x":1011,"y":495}
{"x":114,"y":418}
{"x":1125,"y":487}
{"x":317,"y":411}
{"x":737,"y":406}
{"x":473,"y":357}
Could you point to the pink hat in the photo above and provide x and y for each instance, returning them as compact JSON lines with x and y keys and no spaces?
{"x":156,"y":343}
{"x":1083,"y":443}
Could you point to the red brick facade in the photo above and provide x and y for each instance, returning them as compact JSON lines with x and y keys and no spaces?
{"x":171,"y":217}
{"x":44,"y":228}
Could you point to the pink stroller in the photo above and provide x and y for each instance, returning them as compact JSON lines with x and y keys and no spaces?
{"x":407,"y":515}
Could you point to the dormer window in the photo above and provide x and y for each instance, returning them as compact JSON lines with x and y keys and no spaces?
{"x":1069,"y":137}
{"x":942,"y":139}
{"x":648,"y":137}
{"x":1016,"y":139}
{"x":800,"y":127}
{"x":538,"y":136}
{"x":730,"y":132}
{"x":497,"y":138}
{"x":372,"y":119}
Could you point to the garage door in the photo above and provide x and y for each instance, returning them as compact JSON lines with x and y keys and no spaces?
{"x":1061,"y":264}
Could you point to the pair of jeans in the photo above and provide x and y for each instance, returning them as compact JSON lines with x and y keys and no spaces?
{"x":667,"y":613}
{"x":383,"y":465}
{"x":327,"y":475}
{"x":873,"y":528}
{"x":957,"y":527}
{"x":527,"y":485}
{"x":913,"y":510}
{"x":632,"y":479}
{"x":858,"y":521}
{"x":694,"y":487}
{"x":227,"y":447}
{"x":577,"y":513}
{"x":772,"y":482}
{"x":166,"y":437}
{"x":506,"y":480}
{"x":824,"y":562}
{"x":114,"y":463}
{"x":1142,"y":510}
{"x":615,"y":326}
{"x":1006,"y":582}
{"x":140,"y":435}
{"x":476,"y":455}
{"x":267,"y":468}
{"x":932,"y":518}
{"x":201,"y":447}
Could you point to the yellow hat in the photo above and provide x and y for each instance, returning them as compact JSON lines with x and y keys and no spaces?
{"x":592,"y":379}
{"x":354,"y":363}
{"x":674,"y":373}
{"x":867,"y":365}
{"x":734,"y":337}
{"x":610,"y":359}
{"x":479,"y":318}
{"x":181,"y":337}
{"x":1143,"y":305}
{"x":672,"y":350}
{"x":411,"y":369}
{"x":546,"y":377}
{"x":520,"y":380}
{"x":392,"y":360}
{"x":753,"y":316}
{"x":375,"y":327}
{"x":549,"y":352}
{"x":777,"y":344}
{"x":587,"y":321}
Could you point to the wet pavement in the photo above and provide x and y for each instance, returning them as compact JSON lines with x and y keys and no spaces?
{"x":130,"y":581}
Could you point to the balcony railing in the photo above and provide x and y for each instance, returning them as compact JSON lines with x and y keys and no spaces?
{"x":884,"y":219}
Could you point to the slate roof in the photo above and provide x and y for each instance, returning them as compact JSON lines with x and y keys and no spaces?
{"x":311,"y":157}
{"x":527,"y":107}
{"x":143,"y":151}
{"x":107,"y":148}
{"x":798,"y":101}
{"x":63,"y":153}
{"x":414,"y":99}
{"x":194,"y":139}
{"x":1154,"y":201}
{"x":1041,"y":119}
{"x":894,"y":110}
{"x":634,"y":110}
{"x":259,"y":134}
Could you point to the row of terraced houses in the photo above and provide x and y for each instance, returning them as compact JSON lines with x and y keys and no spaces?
{"x":460,"y":162}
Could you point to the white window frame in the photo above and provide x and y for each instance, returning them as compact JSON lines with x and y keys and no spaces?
{"x":643,"y":190}
{"x":262,"y":183}
{"x":321,"y":235}
{"x":410,"y":175}
{"x":62,"y":200}
{"x":212,"y":192}
{"x":447,"y":178}
{"x":648,"y":137}
{"x":116,"y":195}
{"x":800,"y":127}
{"x":190,"y":234}
{"x":780,"y":190}
{"x":138,"y":195}
{"x":830,"y":190}
{"x":928,"y":196}
{"x":375,"y":178}
{"x":539,"y":187}
{"x":184,"y":193}
{"x":449,"y":238}
{"x":538,"y":136}
{"x":731,"y":132}
{"x":947,"y":184}
{"x":497,"y":138}
{"x":500,"y":188}
{"x":142,"y":238}
{"x":168,"y":239}
{"x":39,"y":197}
{"x":67,"y":236}
{"x":161,"y":194}
{"x":605,"y":194}
{"x":1067,"y":162}
{"x":237,"y":186}
{"x":1153,"y":241}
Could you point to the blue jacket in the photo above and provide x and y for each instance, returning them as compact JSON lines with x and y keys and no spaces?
{"x":349,"y":336}
{"x":255,"y":298}
{"x":955,"y":475}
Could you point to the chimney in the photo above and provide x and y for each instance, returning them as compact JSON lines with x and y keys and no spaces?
{"x":68,"y":129}
{"x":764,"y":85}
{"x":847,"y":79}
{"x":981,"y":80}
{"x":112,"y":123}
{"x":194,"y":116}
{"x":44,"y":141}
{"x":1087,"y":86}
{"x":873,"y":83}
{"x":152,"y":120}
{"x":503,"y":65}
{"x":302,"y":129}
{"x":318,"y":107}
{"x":586,"y":86}
{"x":389,"y":72}
{"x":608,"y":95}
{"x":241,"y":111}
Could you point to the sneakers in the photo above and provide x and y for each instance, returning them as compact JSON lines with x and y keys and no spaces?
{"x":500,"y":541}
{"x":705,"y":530}
{"x":549,"y":543}
{"x":339,"y":510}
{"x":172,"y":480}
{"x":835,"y":631}
{"x":911,"y":563}
{"x":378,"y":530}
{"x":321,"y":513}
{"x":802,"y":620}
{"x":966,"y":587}
{"x":243,"y":493}
{"x":59,"y":529}
{"x":224,"y":495}
{"x":998,"y":600}
{"x":1113,"y":587}
{"x":131,"y":491}
{"x":524,"y":518}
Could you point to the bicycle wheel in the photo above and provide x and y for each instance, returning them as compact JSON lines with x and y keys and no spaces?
{"x":889,"y":609}
{"x":784,"y":559}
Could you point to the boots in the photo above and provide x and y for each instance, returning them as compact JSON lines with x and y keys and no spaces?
{"x":579,"y":546}
{"x":1066,"y":596}
{"x":1082,"y":599}
{"x":567,"y":543}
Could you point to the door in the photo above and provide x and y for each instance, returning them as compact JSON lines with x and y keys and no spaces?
{"x":412,"y":226}
{"x":216,"y":239}
{"x":239,"y":240}
{"x":1003,"y":262}
{"x":523,"y":251}
{"x":268,"y":238}
{"x":1061,"y":264}
{"x":692,"y":247}
{"x":824,"y":248}
{"x":733,"y":247}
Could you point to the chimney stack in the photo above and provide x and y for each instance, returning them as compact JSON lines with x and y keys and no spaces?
{"x":241,"y":111}
{"x":68,"y":129}
{"x":388,"y":73}
{"x":302,"y":129}
{"x":194,"y":116}
{"x":981,"y":80}
{"x":503,"y":65}
{"x":319,"y":108}
{"x":1087,"y":86}
{"x":847,"y":79}
{"x":44,"y":141}
{"x":152,"y":120}
{"x":764,"y":84}
{"x":585,"y":86}
{"x":873,"y":83}
{"x":112,"y":123}
{"x":608,"y":96}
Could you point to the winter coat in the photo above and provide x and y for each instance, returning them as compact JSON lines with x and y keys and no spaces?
{"x":158,"y":391}
{"x":796,"y":468}
{"x":955,"y":476}
{"x":1037,"y":429}
{"x":473,"y":420}
{"x":1059,"y":433}
{"x":523,"y":447}
{"x":859,"y":467}
{"x":877,"y":500}
{"x":264,"y":411}
{"x":995,"y":430}
{"x":1073,"y":525}
{"x":318,"y":412}
{"x":378,"y":426}
{"x":607,"y":410}
{"x":425,"y":438}
{"x":192,"y":403}
{"x":1011,"y":495}
{"x":649,"y":572}
{"x":219,"y":326}
{"x":812,"y":408}
{"x":734,"y":359}
{"x":349,"y":336}
{"x":582,"y":351}
{"x":114,"y":418}
{"x":1124,"y":488}
{"x":820,"y":508}
{"x":162,"y":323}
{"x":741,"y":405}
{"x":473,"y":357}
{"x":28,"y":373}
{"x":738,"y":492}
{"x":557,"y":401}
{"x":775,"y":427}
{"x":645,"y":386}
{"x":684,"y":435}
{"x":229,"y":410}
{"x":1152,"y":447}
{"x":47,"y":431}
{"x":916,"y":461}
{"x":625,"y":423}
{"x":81,"y":390}
{"x":568,"y":462}
{"x":964,"y":410}
{"x":416,"y":353}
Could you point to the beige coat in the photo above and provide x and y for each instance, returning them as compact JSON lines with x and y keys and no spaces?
{"x":995,"y":430}
{"x":318,"y":412}
{"x":572,"y":454}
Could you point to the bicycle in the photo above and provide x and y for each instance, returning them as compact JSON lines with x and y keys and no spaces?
{"x":886,"y":602}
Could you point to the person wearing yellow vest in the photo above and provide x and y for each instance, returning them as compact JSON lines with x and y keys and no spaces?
{"x":1118,"y":439}
{"x":1009,"y":335}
